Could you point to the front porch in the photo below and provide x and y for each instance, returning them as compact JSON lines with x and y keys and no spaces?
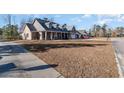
{"x":50,"y":35}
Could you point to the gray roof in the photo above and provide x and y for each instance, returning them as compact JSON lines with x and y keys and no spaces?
{"x":82,"y":31}
{"x":42,"y":22}
{"x":31,"y":27}
{"x":49,"y":25}
{"x":46,"y":24}
{"x":69,"y":28}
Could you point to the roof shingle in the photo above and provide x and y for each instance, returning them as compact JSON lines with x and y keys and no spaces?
{"x":31,"y":27}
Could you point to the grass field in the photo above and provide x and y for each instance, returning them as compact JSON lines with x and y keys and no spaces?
{"x":76,"y":58}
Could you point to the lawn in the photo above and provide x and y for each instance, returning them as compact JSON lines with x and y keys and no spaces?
{"x":76,"y":58}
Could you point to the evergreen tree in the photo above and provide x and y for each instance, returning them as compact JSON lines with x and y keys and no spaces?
{"x":10,"y":32}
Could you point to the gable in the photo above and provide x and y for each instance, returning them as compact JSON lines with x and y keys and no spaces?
{"x":38,"y":26}
{"x":26,"y":29}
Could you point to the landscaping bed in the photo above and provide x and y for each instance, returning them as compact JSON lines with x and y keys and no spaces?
{"x":76,"y":58}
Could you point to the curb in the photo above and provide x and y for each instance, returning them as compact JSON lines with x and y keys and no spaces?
{"x":118,"y":63}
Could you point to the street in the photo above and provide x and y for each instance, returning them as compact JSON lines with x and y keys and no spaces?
{"x":118,"y":45}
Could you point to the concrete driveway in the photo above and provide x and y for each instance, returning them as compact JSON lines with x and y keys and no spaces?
{"x":15,"y":61}
{"x":118,"y":45}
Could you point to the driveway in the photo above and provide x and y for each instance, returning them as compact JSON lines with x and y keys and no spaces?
{"x":118,"y":45}
{"x":15,"y":61}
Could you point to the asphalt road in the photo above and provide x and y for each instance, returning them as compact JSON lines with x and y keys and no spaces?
{"x":15,"y":62}
{"x":118,"y":45}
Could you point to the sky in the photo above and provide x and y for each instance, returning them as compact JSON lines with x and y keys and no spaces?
{"x":80,"y":21}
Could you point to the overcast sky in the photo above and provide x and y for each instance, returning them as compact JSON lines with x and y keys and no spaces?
{"x":81,"y":21}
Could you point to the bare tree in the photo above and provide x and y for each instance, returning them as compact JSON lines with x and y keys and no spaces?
{"x":104,"y":28}
{"x":22,"y":23}
{"x":7,"y":19}
{"x":10,"y":28}
{"x":29,"y":19}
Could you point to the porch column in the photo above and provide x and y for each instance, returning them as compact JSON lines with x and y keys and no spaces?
{"x":40,"y":35}
{"x":56,"y":36}
{"x":64,"y":35}
{"x":61,"y":35}
{"x":68,"y":36}
{"x":51,"y":36}
{"x":45,"y":35}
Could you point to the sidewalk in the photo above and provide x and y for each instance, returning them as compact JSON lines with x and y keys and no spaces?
{"x":15,"y":61}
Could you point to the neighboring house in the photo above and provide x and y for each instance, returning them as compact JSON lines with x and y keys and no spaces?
{"x":46,"y":30}
{"x":74,"y":34}
{"x":114,"y":33}
{"x":120,"y":33}
{"x":99,"y":33}
{"x":83,"y":32}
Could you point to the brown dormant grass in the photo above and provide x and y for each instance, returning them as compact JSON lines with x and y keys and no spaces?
{"x":77,"y":58}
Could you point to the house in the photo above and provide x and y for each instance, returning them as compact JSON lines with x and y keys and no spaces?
{"x":74,"y":34}
{"x":119,"y":33}
{"x":100,"y":33}
{"x":83,"y":33}
{"x":44,"y":29}
{"x":114,"y":34}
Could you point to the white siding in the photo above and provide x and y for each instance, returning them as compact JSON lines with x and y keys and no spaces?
{"x":27,"y":34}
{"x":38,"y":26}
{"x":73,"y":36}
